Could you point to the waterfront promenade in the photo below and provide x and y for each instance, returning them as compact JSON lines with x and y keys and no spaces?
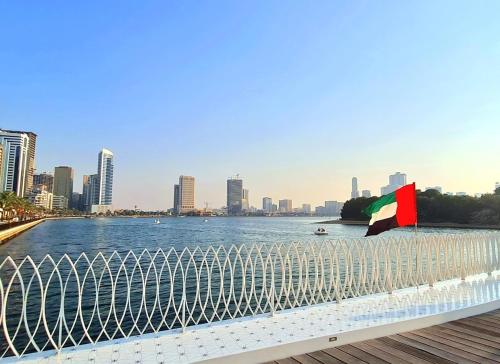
{"x":471,"y":340}
{"x":295,"y":332}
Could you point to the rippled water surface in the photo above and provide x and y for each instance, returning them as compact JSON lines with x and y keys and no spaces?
{"x":74,"y":236}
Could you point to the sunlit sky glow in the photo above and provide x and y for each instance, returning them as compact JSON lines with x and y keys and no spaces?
{"x":296,"y":96}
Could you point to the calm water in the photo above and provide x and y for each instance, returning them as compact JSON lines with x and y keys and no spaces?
{"x":74,"y":236}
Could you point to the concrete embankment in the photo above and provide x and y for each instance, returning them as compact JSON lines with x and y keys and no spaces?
{"x":7,"y":234}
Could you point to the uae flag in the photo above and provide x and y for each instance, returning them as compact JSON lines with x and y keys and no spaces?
{"x":393,"y":210}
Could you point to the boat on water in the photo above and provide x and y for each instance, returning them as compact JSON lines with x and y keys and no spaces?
{"x":320,"y":231}
{"x":157,"y":221}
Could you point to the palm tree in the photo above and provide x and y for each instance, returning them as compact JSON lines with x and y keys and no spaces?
{"x":8,"y":201}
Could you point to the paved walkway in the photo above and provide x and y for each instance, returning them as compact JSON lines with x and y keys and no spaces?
{"x":471,"y":340}
{"x":264,"y":338}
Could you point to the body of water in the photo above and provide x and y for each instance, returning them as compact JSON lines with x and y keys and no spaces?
{"x":75,"y":236}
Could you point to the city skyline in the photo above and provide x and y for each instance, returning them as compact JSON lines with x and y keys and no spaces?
{"x":296,"y":106}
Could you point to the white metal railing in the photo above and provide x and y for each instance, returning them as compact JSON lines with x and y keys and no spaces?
{"x":55,"y":303}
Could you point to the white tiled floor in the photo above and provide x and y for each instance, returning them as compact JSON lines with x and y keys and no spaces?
{"x":254,"y":333}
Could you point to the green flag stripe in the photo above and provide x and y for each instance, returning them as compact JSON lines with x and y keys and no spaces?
{"x":382,"y":201}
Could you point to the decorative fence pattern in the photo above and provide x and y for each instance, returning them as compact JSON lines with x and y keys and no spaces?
{"x":52,"y":303}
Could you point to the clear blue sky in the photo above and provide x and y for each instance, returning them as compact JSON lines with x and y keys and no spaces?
{"x":296,"y":96}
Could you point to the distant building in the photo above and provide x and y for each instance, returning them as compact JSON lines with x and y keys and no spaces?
{"x":285,"y":206}
{"x":105,"y":171}
{"x":90,"y":192}
{"x":396,"y":181}
{"x":478,"y":195}
{"x":59,"y":202}
{"x":76,"y":201}
{"x":17,"y":161}
{"x":497,"y":185}
{"x":461,"y":194}
{"x":63,"y":182}
{"x":245,"y":204}
{"x":274,"y":208}
{"x":176,"y":199}
{"x":41,"y":198}
{"x":45,"y":179}
{"x":1,"y":166}
{"x":366,"y":193}
{"x":267,"y":204}
{"x":320,"y":210}
{"x":449,"y":193}
{"x":333,"y":208}
{"x":234,"y":196}
{"x":186,"y":194}
{"x":354,"y":190}
{"x":437,"y":188}
{"x":306,"y":208}
{"x":102,"y":184}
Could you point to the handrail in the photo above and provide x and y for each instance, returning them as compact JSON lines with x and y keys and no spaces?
{"x":55,"y":303}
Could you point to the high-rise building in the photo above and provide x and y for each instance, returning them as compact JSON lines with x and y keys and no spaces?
{"x":267,"y":204}
{"x":354,"y":190}
{"x":76,"y":201}
{"x":366,"y":193}
{"x":44,"y":179}
{"x":30,"y":165}
{"x":105,"y":173}
{"x":176,"y":198}
{"x":234,"y":195}
{"x":1,"y":166}
{"x":285,"y":206}
{"x":16,"y":161}
{"x":245,"y":204}
{"x":186,"y":194}
{"x":306,"y":208}
{"x":497,"y":185}
{"x":90,"y":192}
{"x":396,"y":181}
{"x":63,"y":182}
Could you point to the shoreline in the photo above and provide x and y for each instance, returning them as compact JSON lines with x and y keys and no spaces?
{"x":444,"y":225}
{"x":12,"y":232}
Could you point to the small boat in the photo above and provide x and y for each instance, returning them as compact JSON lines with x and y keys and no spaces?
{"x":320,"y":231}
{"x":157,"y":221}
{"x":206,"y":220}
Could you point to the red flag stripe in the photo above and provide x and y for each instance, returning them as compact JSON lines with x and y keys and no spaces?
{"x":406,"y":213}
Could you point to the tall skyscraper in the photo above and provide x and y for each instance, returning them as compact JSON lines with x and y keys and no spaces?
{"x":245,"y":204}
{"x":267,"y":204}
{"x":1,"y":166}
{"x":176,"y":198}
{"x":17,"y":159}
{"x":45,"y":179}
{"x":186,"y":194}
{"x":30,"y":165}
{"x":285,"y":205}
{"x":63,"y":182}
{"x":105,"y":173}
{"x":354,"y":190}
{"x":366,"y":193}
{"x":234,"y":195}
